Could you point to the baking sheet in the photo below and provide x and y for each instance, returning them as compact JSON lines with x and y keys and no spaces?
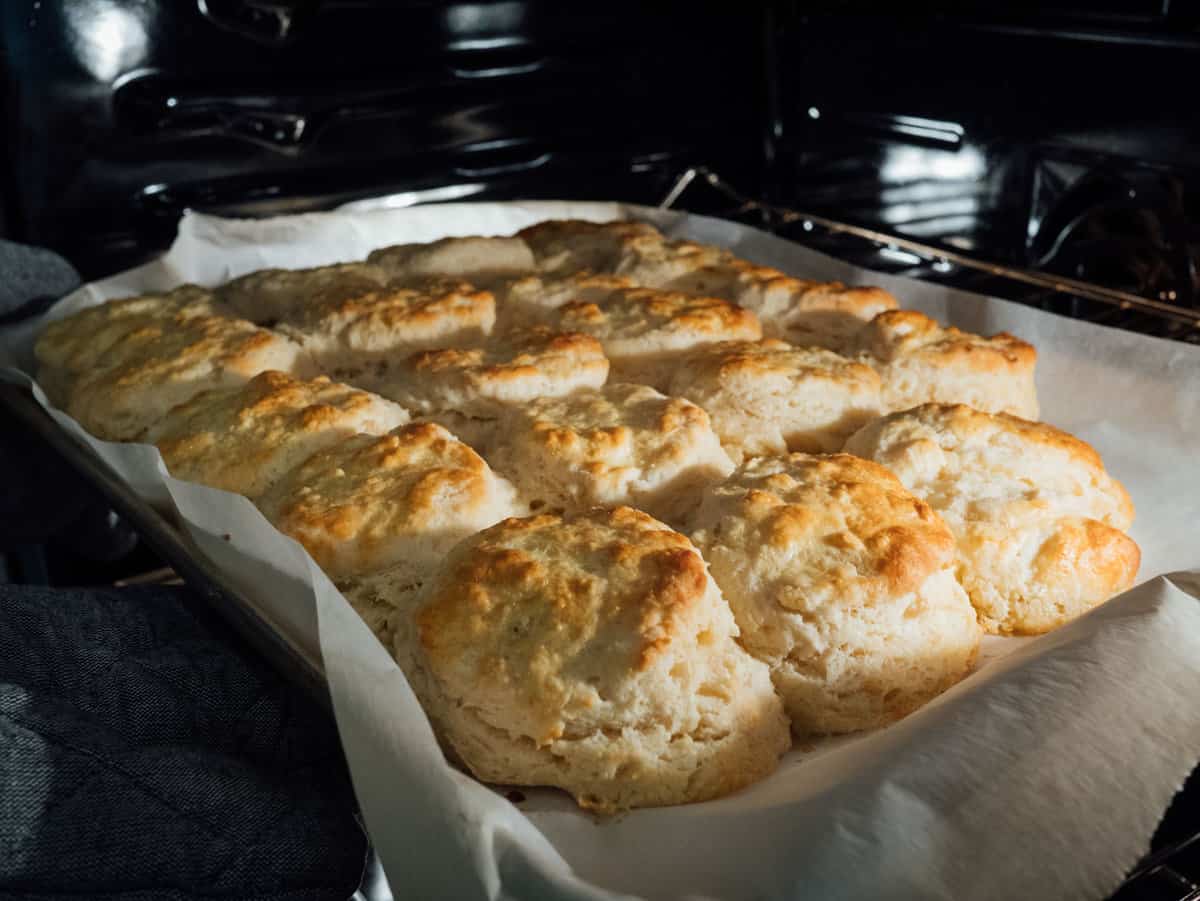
{"x":1041,"y":775}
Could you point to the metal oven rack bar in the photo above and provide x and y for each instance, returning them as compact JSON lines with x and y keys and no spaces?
{"x":774,"y":218}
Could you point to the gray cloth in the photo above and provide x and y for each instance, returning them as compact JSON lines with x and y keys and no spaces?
{"x":31,"y":278}
{"x":143,"y":756}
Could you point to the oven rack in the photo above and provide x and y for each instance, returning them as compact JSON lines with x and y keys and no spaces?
{"x":897,"y":255}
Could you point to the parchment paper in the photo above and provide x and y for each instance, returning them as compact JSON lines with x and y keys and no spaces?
{"x":1042,"y":775}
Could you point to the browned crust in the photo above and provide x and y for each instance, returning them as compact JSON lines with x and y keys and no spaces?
{"x":902,"y":333}
{"x":860,"y":508}
{"x":504,"y":585}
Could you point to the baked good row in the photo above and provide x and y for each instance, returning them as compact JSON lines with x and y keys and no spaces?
{"x":626,"y":510}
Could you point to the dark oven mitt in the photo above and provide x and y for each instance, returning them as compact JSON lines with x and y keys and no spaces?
{"x":143,"y":756}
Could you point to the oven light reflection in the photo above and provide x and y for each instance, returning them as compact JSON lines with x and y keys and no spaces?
{"x":917,"y":163}
{"x":908,"y":213}
{"x":895,"y":254}
{"x":109,"y":38}
{"x":414,"y":198}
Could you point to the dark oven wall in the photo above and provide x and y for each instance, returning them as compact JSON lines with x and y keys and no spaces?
{"x":121,"y":113}
{"x":1050,"y":135}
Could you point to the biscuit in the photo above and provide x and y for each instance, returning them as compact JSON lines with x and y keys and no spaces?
{"x":645,"y":332}
{"x":166,"y":363}
{"x":807,"y":313}
{"x":621,"y":444}
{"x":346,"y":337}
{"x":398,"y":500}
{"x":674,"y":265}
{"x":78,"y":343}
{"x":1040,"y":524}
{"x":270,"y":295}
{"x":536,"y":299}
{"x":592,"y":653}
{"x":384,"y":601}
{"x":481,"y":261}
{"x":922,"y":362}
{"x":570,"y":245}
{"x":480,"y":433}
{"x":468,"y":389}
{"x":815,"y":314}
{"x":770,"y":397}
{"x":243,"y":439}
{"x":842,"y":582}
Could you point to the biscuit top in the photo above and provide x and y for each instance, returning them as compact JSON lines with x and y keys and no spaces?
{"x":698,"y":267}
{"x":615,"y":431}
{"x":660,"y":264}
{"x":184,"y":350}
{"x":562,"y":244}
{"x":646,"y":319}
{"x":771,"y":366}
{"x":244,"y":438}
{"x":474,"y":259}
{"x":823,"y":314}
{"x":899,"y":334}
{"x":554,"y":291}
{"x":358,"y":504}
{"x":269,"y":295}
{"x":705,"y":269}
{"x":863,"y":301}
{"x":535,"y":298}
{"x":396,"y":319}
{"x":823,"y":529}
{"x":163,"y":364}
{"x":512,"y":368}
{"x":993,"y":466}
{"x":770,"y":292}
{"x":78,"y":342}
{"x":559,"y":621}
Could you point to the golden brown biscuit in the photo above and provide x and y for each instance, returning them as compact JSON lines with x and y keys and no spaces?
{"x":485,"y":262}
{"x":168,"y":362}
{"x":645,"y":333}
{"x":816,"y":314}
{"x":621,"y":444}
{"x":922,"y":362}
{"x":843,"y":583}
{"x":1040,"y":525}
{"x":347,"y":337}
{"x":675,"y":265}
{"x":508,"y":369}
{"x":570,"y":245}
{"x":244,"y":438}
{"x":806,"y":313}
{"x":595,"y":654}
{"x":771,"y":397}
{"x":270,"y":295}
{"x":400,"y":499}
{"x":536,"y":299}
{"x":77,"y":344}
